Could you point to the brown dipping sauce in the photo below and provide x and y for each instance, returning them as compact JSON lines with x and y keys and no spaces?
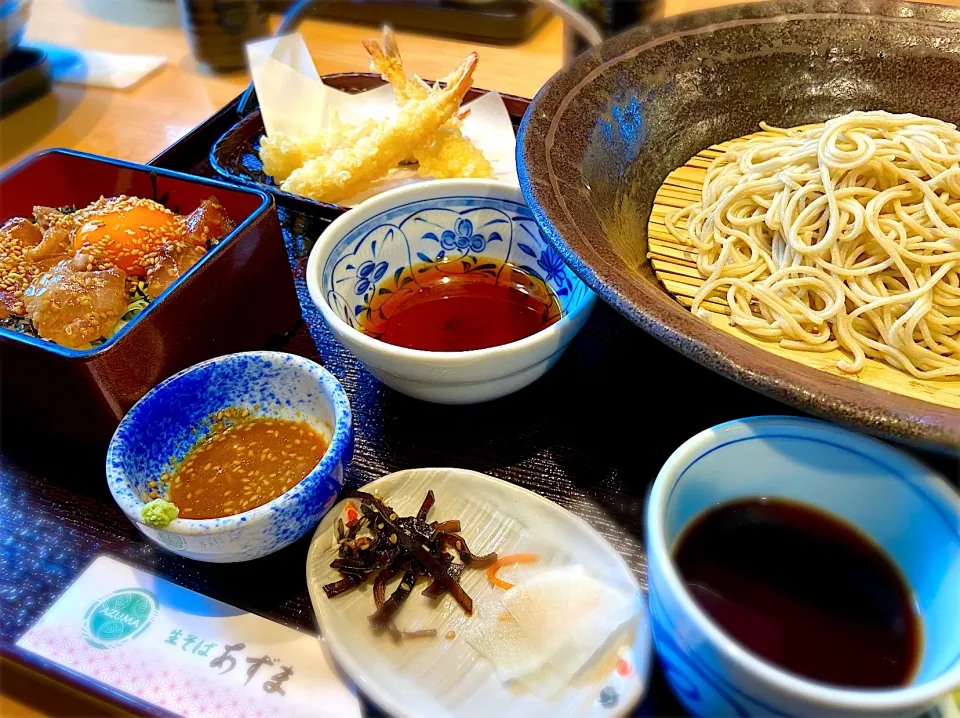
{"x":449,"y":308}
{"x":242,"y":465}
{"x":803,"y":590}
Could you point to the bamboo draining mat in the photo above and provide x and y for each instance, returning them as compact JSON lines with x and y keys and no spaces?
{"x":674,"y":262}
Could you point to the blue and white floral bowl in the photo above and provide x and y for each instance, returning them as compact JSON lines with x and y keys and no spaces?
{"x":368,"y":253}
{"x":159,"y":430}
{"x":907,"y":509}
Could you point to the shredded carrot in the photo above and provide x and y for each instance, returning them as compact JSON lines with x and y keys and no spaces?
{"x":508,"y":561}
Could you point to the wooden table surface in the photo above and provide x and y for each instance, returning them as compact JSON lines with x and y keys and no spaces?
{"x":138,"y":123}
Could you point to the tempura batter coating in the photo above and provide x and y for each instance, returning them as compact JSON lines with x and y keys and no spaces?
{"x":349,"y":169}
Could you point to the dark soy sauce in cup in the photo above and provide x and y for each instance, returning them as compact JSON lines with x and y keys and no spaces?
{"x":804,"y":590}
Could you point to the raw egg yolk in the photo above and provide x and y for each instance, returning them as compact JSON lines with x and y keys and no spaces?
{"x":131,"y":233}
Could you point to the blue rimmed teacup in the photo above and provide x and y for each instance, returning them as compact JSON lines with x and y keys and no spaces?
{"x":163,"y":426}
{"x":904,"y":507}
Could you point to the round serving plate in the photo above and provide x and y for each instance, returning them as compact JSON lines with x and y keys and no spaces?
{"x":444,"y":677}
{"x":603,"y":134}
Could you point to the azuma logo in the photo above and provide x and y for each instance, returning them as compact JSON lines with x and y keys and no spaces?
{"x":119,"y":617}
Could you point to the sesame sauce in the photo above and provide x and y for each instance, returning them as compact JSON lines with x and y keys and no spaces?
{"x":244,"y":464}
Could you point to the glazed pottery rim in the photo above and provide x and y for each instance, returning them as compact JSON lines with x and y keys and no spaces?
{"x":266,"y":203}
{"x":338,"y":446}
{"x":385,"y":201}
{"x":782,"y":680}
{"x":836,"y":398}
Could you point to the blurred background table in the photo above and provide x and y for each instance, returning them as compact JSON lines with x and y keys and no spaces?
{"x":138,"y":123}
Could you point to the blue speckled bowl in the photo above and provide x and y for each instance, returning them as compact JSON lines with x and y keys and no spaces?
{"x":159,"y":429}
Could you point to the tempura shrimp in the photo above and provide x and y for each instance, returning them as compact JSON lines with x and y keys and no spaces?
{"x":350,"y":168}
{"x":447,"y":153}
{"x":281,"y":153}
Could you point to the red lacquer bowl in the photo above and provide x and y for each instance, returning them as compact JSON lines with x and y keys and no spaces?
{"x":237,"y":297}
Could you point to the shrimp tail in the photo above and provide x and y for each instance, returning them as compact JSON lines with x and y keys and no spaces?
{"x":390,"y":43}
{"x":390,"y":66}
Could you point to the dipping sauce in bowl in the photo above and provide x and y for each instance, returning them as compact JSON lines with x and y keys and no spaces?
{"x":797,"y":568}
{"x":461,"y":305}
{"x":803,"y":589}
{"x":447,"y":291}
{"x":244,"y":462}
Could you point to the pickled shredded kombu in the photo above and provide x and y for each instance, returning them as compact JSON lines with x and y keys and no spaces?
{"x":379,"y":543}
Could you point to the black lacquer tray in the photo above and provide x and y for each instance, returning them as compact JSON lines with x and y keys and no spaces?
{"x":591,"y":435}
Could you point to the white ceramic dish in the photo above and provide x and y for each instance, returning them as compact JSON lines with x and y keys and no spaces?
{"x":443,"y":678}
{"x":442,"y":221}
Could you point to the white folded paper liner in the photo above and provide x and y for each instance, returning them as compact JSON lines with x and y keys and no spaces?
{"x":294,"y":100}
{"x":548,"y":628}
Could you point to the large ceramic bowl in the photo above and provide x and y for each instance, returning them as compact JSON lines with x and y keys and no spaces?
{"x":162,"y":427}
{"x":902,"y":506}
{"x":603,"y":134}
{"x":370,"y":254}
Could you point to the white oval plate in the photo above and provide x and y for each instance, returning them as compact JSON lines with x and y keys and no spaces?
{"x":442,"y":677}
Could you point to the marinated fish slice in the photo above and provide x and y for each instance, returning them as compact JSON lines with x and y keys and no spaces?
{"x":46,"y":217}
{"x":57,"y":236}
{"x":173,"y":263}
{"x":208,"y":223}
{"x":74,"y":308}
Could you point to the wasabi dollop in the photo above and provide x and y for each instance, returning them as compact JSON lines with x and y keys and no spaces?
{"x":158,"y":513}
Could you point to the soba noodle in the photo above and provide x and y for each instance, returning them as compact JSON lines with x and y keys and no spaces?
{"x":841,"y":235}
